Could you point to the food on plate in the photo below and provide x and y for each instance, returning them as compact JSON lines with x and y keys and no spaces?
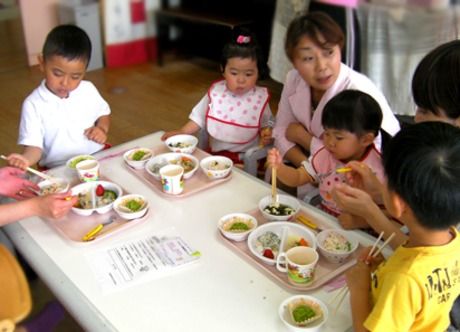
{"x":73,"y":163}
{"x":132,"y":204}
{"x":304,"y":311}
{"x":237,"y":224}
{"x":102,"y":197}
{"x":294,"y":240}
{"x":268,"y":244}
{"x":279,"y":209}
{"x":139,"y":155}
{"x":186,"y":163}
{"x":217,"y":166}
{"x":336,"y":243}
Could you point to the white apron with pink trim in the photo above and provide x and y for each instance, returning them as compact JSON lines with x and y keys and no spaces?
{"x":235,"y":118}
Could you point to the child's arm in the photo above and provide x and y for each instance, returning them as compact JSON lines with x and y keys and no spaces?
{"x":30,"y":156}
{"x":359,"y":284}
{"x":288,"y":175}
{"x":190,"y":128}
{"x":98,"y":132}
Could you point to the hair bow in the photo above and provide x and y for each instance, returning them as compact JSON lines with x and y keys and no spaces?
{"x":243,"y":39}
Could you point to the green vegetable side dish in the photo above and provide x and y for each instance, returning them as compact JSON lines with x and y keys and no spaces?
{"x":239,"y":226}
{"x":138,"y":155}
{"x":303,"y":313}
{"x":110,"y":195}
{"x":133,"y":205}
{"x":73,"y":163}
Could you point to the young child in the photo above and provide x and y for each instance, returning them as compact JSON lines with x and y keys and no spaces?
{"x":416,"y":287}
{"x":313,"y":45}
{"x":351,"y":121}
{"x":235,"y":111}
{"x":65,"y":116}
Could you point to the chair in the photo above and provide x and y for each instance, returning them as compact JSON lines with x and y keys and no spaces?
{"x":251,"y":157}
{"x":14,"y":291}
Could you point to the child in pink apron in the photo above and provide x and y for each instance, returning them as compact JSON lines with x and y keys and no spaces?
{"x":235,"y":111}
{"x":351,"y":120}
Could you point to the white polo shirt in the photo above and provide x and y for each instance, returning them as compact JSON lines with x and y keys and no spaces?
{"x":57,"y":125}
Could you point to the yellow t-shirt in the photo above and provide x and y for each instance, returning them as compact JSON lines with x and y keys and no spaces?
{"x":414,"y":290}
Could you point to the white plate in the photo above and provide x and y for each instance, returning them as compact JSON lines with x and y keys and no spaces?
{"x":294,"y":232}
{"x":91,"y":187}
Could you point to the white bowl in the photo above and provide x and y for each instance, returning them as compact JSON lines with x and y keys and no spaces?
{"x":72,"y":162}
{"x":293,"y":233}
{"x":228,"y":220}
{"x":286,"y":317}
{"x":154,"y":164}
{"x":137,"y":164}
{"x":182,"y":143}
{"x":216,"y":167}
{"x":122,"y":206}
{"x":344,"y":248}
{"x":53,"y":186}
{"x":89,"y":188}
{"x":283,"y":200}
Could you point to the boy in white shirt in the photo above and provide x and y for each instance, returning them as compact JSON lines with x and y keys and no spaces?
{"x":65,"y":116}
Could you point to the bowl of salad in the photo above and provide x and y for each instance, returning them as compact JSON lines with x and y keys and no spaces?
{"x":216,"y":167}
{"x":182,"y":143}
{"x":136,"y":158}
{"x":303,"y":313}
{"x":95,"y":196}
{"x":72,"y":162}
{"x":237,"y":226}
{"x":336,"y":245}
{"x":188,"y":162}
{"x":286,"y":209}
{"x":131,"y":206}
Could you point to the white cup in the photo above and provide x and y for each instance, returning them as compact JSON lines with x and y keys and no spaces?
{"x":172,"y":179}
{"x":88,"y":170}
{"x":299,"y":263}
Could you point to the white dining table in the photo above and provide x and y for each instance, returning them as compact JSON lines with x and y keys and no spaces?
{"x":220,"y":292}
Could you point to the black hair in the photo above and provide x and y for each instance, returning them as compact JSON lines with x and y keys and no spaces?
{"x":436,"y":83}
{"x":313,"y":25}
{"x":243,"y":44}
{"x":353,"y":111}
{"x":68,"y":41}
{"x":422,"y":165}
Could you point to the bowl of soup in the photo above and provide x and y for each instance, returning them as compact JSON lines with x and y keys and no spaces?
{"x":286,"y":208}
{"x":216,"y":167}
{"x":182,"y":143}
{"x":188,"y":162}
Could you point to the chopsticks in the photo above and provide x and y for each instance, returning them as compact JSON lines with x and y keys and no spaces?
{"x":274,"y":193}
{"x":343,"y":292}
{"x":34,"y":171}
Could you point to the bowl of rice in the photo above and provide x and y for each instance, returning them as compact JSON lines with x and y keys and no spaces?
{"x":336,"y":245}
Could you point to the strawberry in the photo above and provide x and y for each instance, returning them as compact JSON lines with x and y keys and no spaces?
{"x":100,"y":190}
{"x":268,"y":253}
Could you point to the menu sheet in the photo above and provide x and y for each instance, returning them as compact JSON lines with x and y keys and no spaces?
{"x":139,"y":260}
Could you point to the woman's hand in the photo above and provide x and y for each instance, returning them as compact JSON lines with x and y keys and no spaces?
{"x":54,"y":206}
{"x":14,"y":186}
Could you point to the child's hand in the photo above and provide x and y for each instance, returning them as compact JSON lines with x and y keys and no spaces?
{"x":96,"y":134}
{"x":349,"y":221}
{"x":168,"y":134}
{"x":274,"y":159}
{"x":364,"y":178}
{"x":373,"y":262}
{"x":18,"y":160}
{"x":266,"y":136}
{"x":352,"y":200}
{"x":14,"y":186}
{"x":359,"y":277}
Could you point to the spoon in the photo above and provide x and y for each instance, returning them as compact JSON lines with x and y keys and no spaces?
{"x":93,"y":232}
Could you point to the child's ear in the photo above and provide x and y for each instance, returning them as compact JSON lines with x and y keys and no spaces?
{"x":41,"y":62}
{"x":399,"y":206}
{"x":367,"y":139}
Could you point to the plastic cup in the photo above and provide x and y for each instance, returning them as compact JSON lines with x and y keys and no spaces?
{"x":299,"y":263}
{"x":88,"y":170}
{"x":172,"y":179}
